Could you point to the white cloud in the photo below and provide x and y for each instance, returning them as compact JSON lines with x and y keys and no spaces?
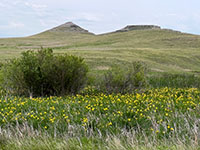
{"x":2,"y":5}
{"x":43,"y":23}
{"x":35,"y":6}
{"x":16,"y":25}
{"x":90,"y":17}
{"x":48,"y":23}
{"x":37,"y":9}
{"x":16,"y":2}
{"x":12,"y":25}
{"x":172,"y":15}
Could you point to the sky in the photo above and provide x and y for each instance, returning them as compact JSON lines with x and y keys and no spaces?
{"x":20,"y":18}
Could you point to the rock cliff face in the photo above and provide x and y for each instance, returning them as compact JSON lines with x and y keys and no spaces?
{"x":138,"y":27}
{"x":69,"y":27}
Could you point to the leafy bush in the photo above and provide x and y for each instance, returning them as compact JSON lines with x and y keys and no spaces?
{"x":42,"y":73}
{"x":124,"y":80}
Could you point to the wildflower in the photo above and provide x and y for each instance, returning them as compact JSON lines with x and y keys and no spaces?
{"x":157,"y":131}
{"x":85,"y":120}
{"x":105,"y":108}
{"x":109,"y":124}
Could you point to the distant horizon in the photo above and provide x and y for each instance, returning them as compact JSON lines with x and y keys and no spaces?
{"x":99,"y":33}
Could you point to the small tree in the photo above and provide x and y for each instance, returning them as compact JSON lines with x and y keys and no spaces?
{"x":42,"y":73}
{"x":124,"y":80}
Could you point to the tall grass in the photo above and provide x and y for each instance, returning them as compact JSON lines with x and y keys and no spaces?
{"x":174,"y":80}
{"x":127,"y":141}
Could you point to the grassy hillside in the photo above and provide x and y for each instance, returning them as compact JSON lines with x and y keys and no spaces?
{"x":162,"y":50}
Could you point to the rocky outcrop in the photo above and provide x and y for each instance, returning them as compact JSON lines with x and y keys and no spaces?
{"x":138,"y":27}
{"x":69,"y":27}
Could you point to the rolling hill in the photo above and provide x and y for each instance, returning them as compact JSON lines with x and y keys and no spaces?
{"x":163,"y":50}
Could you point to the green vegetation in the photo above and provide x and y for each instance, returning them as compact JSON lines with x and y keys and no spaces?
{"x":148,"y":112}
{"x":43,"y":74}
{"x":91,"y":143}
{"x":124,"y":80}
{"x":163,"y":50}
{"x":155,"y":115}
{"x":137,"y":110}
{"x":174,"y":80}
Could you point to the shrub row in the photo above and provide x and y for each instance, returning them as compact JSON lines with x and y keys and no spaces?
{"x":42,"y":73}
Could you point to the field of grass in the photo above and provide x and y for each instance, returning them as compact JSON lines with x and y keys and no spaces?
{"x":162,"y":50}
{"x":165,"y":114}
{"x":157,"y":118}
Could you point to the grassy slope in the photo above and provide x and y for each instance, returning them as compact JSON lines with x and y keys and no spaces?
{"x":161,"y":50}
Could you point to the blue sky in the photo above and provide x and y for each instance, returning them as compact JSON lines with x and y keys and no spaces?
{"x":27,"y":17}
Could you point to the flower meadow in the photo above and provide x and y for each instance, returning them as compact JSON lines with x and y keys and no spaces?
{"x":163,"y":112}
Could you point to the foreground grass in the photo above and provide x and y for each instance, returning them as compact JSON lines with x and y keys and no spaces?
{"x":164,"y":118}
{"x":94,"y":143}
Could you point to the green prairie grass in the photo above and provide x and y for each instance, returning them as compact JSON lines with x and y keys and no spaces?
{"x":162,"y":50}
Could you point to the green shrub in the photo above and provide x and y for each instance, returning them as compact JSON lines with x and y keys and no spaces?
{"x":42,"y":73}
{"x":124,"y":80}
